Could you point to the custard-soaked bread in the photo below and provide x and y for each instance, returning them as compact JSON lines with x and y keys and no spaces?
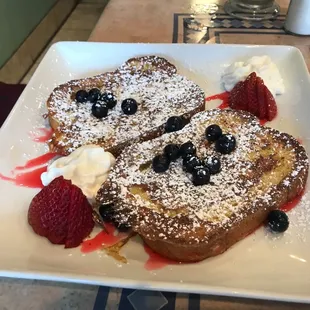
{"x":152,"y":81}
{"x":190,"y":223}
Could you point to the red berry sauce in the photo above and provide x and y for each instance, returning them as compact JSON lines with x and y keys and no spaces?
{"x":156,"y":261}
{"x":45,"y":136}
{"x":29,"y":175}
{"x":105,"y":238}
{"x":222,"y":96}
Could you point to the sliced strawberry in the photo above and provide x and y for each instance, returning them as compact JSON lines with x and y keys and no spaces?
{"x":80,"y":219}
{"x":42,"y":218}
{"x":262,"y":104}
{"x":233,"y":95}
{"x":61,"y":213}
{"x":242,"y":101}
{"x":253,"y":96}
{"x":237,"y":100}
{"x":251,"y":93}
{"x":271,"y":105}
{"x":232,"y":100}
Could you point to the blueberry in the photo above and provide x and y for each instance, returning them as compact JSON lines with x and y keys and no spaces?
{"x":110,"y":99}
{"x":106,"y":212}
{"x":214,"y":164}
{"x":174,"y":123}
{"x":278,"y":221}
{"x":93,"y":95}
{"x":122,"y":227}
{"x":225,"y":144}
{"x":213,"y":132}
{"x":99,"y":109}
{"x":190,"y":162}
{"x":129,"y":106}
{"x":172,"y":151}
{"x":201,"y":175}
{"x":187,"y":148}
{"x":81,"y":96}
{"x":160,"y":163}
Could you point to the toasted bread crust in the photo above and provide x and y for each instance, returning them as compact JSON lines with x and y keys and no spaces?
{"x":117,"y":131}
{"x":184,"y":237}
{"x":225,"y":238}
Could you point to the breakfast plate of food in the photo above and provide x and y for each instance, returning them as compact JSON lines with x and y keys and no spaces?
{"x":161,"y":166}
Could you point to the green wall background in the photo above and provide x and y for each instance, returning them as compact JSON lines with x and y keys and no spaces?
{"x":17,"y":19}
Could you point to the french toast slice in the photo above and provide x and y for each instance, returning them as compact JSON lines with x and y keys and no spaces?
{"x":152,"y":81}
{"x":189,"y":223}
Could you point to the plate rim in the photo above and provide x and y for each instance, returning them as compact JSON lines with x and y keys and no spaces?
{"x":151,"y":284}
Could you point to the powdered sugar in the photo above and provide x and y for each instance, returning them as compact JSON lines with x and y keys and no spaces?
{"x":225,"y":200}
{"x":160,"y":93}
{"x":301,"y":218}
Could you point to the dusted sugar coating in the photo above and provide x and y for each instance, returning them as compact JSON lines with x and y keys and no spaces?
{"x":189,"y":223}
{"x":150,"y":80}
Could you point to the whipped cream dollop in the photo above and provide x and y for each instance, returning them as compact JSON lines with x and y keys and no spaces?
{"x":262,"y":66}
{"x":87,"y":167}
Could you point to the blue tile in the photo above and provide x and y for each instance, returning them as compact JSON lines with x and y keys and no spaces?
{"x":236,"y":23}
{"x":102,"y":297}
{"x":171,"y":301}
{"x":257,"y":24}
{"x":124,"y":303}
{"x":194,"y":302}
{"x":147,"y":300}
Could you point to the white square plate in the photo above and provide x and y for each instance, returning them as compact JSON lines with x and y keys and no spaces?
{"x":260,"y":266}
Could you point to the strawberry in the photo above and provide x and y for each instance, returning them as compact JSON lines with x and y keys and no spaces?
{"x":271,"y":105}
{"x":251,"y":93}
{"x":237,"y":97}
{"x":234,"y":94}
{"x":80,"y":220}
{"x":253,"y":96}
{"x":262,"y":104}
{"x":61,"y":213}
{"x":242,"y":101}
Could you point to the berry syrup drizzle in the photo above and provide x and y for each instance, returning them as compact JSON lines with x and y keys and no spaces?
{"x":46,"y":135}
{"x":103,"y":239}
{"x":156,"y":261}
{"x":225,"y":103}
{"x":222,"y":96}
{"x":27,"y":179}
{"x":292,"y":204}
{"x":110,"y":236}
{"x":29,"y":175}
{"x":38,"y":161}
